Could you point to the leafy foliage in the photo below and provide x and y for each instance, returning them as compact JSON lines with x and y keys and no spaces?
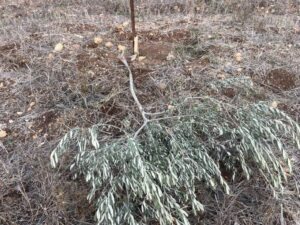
{"x":154,"y":176}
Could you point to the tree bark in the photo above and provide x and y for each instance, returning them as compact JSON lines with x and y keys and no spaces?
{"x":134,"y":33}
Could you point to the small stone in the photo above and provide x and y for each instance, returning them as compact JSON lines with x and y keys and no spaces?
{"x":162,"y":86}
{"x":50,"y":57}
{"x":98,"y":40}
{"x":121,"y":48}
{"x":3,"y":133}
{"x":58,"y":47}
{"x":125,"y":24}
{"x":274,"y":104}
{"x":170,"y":107}
{"x":34,"y":136}
{"x":141,"y":58}
{"x":221,"y":76}
{"x":109,"y":44}
{"x":170,"y":56}
{"x":238,"y":57}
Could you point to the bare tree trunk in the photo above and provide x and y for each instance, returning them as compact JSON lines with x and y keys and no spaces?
{"x":134,"y":34}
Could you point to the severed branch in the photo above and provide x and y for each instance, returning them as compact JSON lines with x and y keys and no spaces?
{"x":132,"y":91}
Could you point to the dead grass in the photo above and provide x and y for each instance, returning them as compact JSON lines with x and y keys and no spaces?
{"x":44,"y":93}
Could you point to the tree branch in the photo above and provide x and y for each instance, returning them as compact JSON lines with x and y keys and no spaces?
{"x":132,"y":91}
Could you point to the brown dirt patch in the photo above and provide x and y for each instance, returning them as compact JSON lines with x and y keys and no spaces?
{"x":79,"y":28}
{"x":95,"y":61}
{"x":197,"y":66}
{"x":237,"y":39}
{"x":43,"y":122}
{"x":229,"y":92}
{"x":281,"y":79}
{"x":157,"y":51}
{"x":290,"y":109}
{"x":177,"y":35}
{"x":171,"y":36}
{"x":71,"y":196}
{"x":35,"y":37}
{"x":12,"y":56}
{"x":18,"y":61}
{"x":9,"y":47}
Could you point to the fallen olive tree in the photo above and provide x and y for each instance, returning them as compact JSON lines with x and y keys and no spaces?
{"x":152,"y":174}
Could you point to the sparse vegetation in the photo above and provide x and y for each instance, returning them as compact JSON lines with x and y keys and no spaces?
{"x":225,"y":74}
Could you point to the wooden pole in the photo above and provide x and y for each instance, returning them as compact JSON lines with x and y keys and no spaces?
{"x":132,"y":12}
{"x":134,"y":34}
